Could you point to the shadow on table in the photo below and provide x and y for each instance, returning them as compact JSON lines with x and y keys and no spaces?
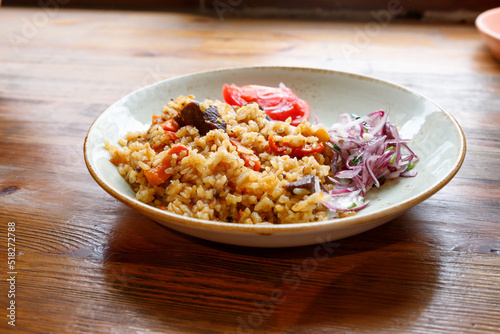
{"x":173,"y":281}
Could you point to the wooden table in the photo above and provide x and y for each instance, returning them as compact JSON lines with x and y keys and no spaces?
{"x":87,"y":263}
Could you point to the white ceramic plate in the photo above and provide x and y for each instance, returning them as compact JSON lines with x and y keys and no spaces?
{"x":435,"y":137}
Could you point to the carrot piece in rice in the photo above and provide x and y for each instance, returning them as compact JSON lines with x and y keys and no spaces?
{"x":251,"y":160}
{"x":169,"y":125}
{"x":157,"y":175}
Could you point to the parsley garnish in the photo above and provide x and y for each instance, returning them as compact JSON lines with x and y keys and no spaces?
{"x":356,"y":160}
{"x":352,"y":206}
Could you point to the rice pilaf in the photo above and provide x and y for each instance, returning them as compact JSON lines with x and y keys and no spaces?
{"x":228,"y":174}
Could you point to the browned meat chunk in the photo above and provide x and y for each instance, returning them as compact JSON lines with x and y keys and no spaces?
{"x":308,"y":182}
{"x":204,"y":121}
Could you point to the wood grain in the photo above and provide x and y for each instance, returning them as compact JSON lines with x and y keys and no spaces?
{"x":88,"y":264}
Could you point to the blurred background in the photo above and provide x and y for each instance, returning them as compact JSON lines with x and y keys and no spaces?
{"x":428,"y":10}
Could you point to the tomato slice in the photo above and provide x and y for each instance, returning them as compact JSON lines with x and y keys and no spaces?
{"x":279,"y":103}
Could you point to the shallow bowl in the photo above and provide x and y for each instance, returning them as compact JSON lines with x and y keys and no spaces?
{"x":435,"y":136}
{"x":488,"y":24}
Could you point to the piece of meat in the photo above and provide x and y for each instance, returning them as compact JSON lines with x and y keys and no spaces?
{"x":204,"y":121}
{"x":308,"y":182}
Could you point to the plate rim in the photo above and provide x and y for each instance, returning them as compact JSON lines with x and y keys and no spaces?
{"x":265,"y":229}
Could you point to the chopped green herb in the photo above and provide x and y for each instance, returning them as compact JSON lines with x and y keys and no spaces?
{"x":393,"y":158}
{"x":389,"y":148}
{"x":410,"y":166}
{"x":356,"y":160}
{"x":352,"y":206}
{"x":354,"y":116}
{"x":363,"y":200}
{"x":335,"y":146}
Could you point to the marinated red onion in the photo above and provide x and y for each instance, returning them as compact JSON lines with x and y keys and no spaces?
{"x":367,"y":151}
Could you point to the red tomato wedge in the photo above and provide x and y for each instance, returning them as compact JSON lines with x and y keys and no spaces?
{"x":278,"y":103}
